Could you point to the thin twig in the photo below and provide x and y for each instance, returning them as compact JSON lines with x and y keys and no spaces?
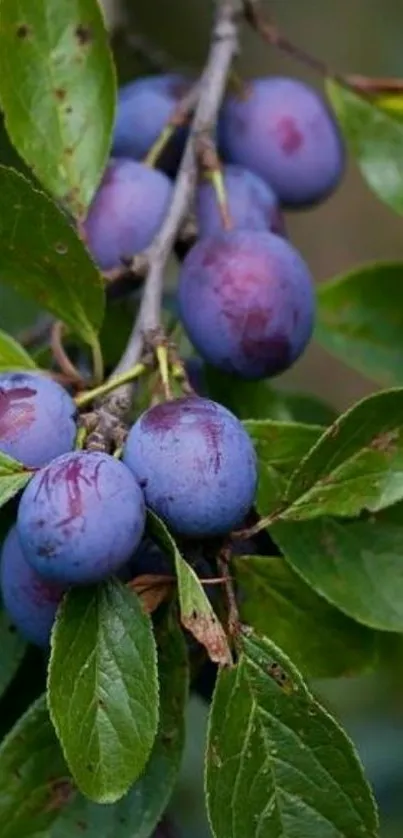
{"x":224,"y":44}
{"x":38,"y":333}
{"x":362,"y":85}
{"x":61,"y":357}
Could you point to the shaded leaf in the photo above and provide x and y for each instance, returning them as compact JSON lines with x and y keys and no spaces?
{"x":103,"y":688}
{"x":375,"y":137}
{"x":140,"y":810}
{"x":356,"y":565}
{"x":277,"y":763}
{"x":62,"y":118}
{"x":360,"y":320}
{"x":12,"y":650}
{"x":16,"y":312}
{"x":282,"y":444}
{"x":197,"y":615}
{"x":271,"y":491}
{"x":278,"y":604}
{"x":357,"y":463}
{"x":34,"y":781}
{"x":13,"y":356}
{"x":42,"y":258}
{"x":259,"y":400}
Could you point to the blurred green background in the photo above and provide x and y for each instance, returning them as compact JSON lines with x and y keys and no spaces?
{"x":364,"y":36}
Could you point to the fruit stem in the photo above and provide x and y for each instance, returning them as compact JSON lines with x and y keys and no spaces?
{"x":163,"y":365}
{"x":84,"y":399}
{"x":179,"y":118}
{"x":158,"y":147}
{"x":98,"y":362}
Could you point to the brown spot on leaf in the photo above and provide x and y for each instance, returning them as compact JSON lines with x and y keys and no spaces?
{"x":210,"y":633}
{"x":60,"y":93}
{"x":61,"y":792}
{"x":386,"y":442}
{"x":82,"y":825}
{"x":152,"y":589}
{"x":23,"y":31}
{"x":277,"y":673}
{"x":83,"y":34}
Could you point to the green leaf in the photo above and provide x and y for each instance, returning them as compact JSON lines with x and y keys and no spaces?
{"x":103,"y":688}
{"x":62,"y":118}
{"x":197,"y":615}
{"x":360,"y":320}
{"x":375,"y":137}
{"x":42,"y":258}
{"x":320,"y":639}
{"x":277,"y":763}
{"x":308,"y":409}
{"x":139,"y":811}
{"x":356,"y":464}
{"x":355,"y":565}
{"x":258,"y":400}
{"x":13,"y":356}
{"x":282,"y":444}
{"x":16,"y":312}
{"x":12,"y":650}
{"x":271,"y":490}
{"x":13,"y":477}
{"x":34,"y":781}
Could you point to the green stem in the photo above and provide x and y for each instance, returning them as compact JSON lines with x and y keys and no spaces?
{"x":98,"y":362}
{"x":83,"y":399}
{"x":161,"y":142}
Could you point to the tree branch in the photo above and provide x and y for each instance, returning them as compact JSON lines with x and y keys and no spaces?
{"x":224,"y":45}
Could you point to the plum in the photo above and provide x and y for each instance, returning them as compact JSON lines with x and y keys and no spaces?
{"x":37,"y":418}
{"x":30,"y":601}
{"x":126,"y":212}
{"x":247,"y":302}
{"x":196,"y":465}
{"x":144,"y":107}
{"x":251,"y":203}
{"x":81,"y":518}
{"x":283,"y":130}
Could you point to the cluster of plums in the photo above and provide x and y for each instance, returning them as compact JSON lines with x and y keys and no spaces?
{"x":246,"y":301}
{"x":81,"y":517}
{"x":246,"y":297}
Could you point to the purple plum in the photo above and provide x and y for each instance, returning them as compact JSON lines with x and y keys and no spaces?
{"x":37,"y":418}
{"x":247,"y":302}
{"x":126,"y":213}
{"x":81,"y":518}
{"x":251,"y":203}
{"x":30,"y":601}
{"x":144,"y":107}
{"x":283,"y":130}
{"x":196,"y":465}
